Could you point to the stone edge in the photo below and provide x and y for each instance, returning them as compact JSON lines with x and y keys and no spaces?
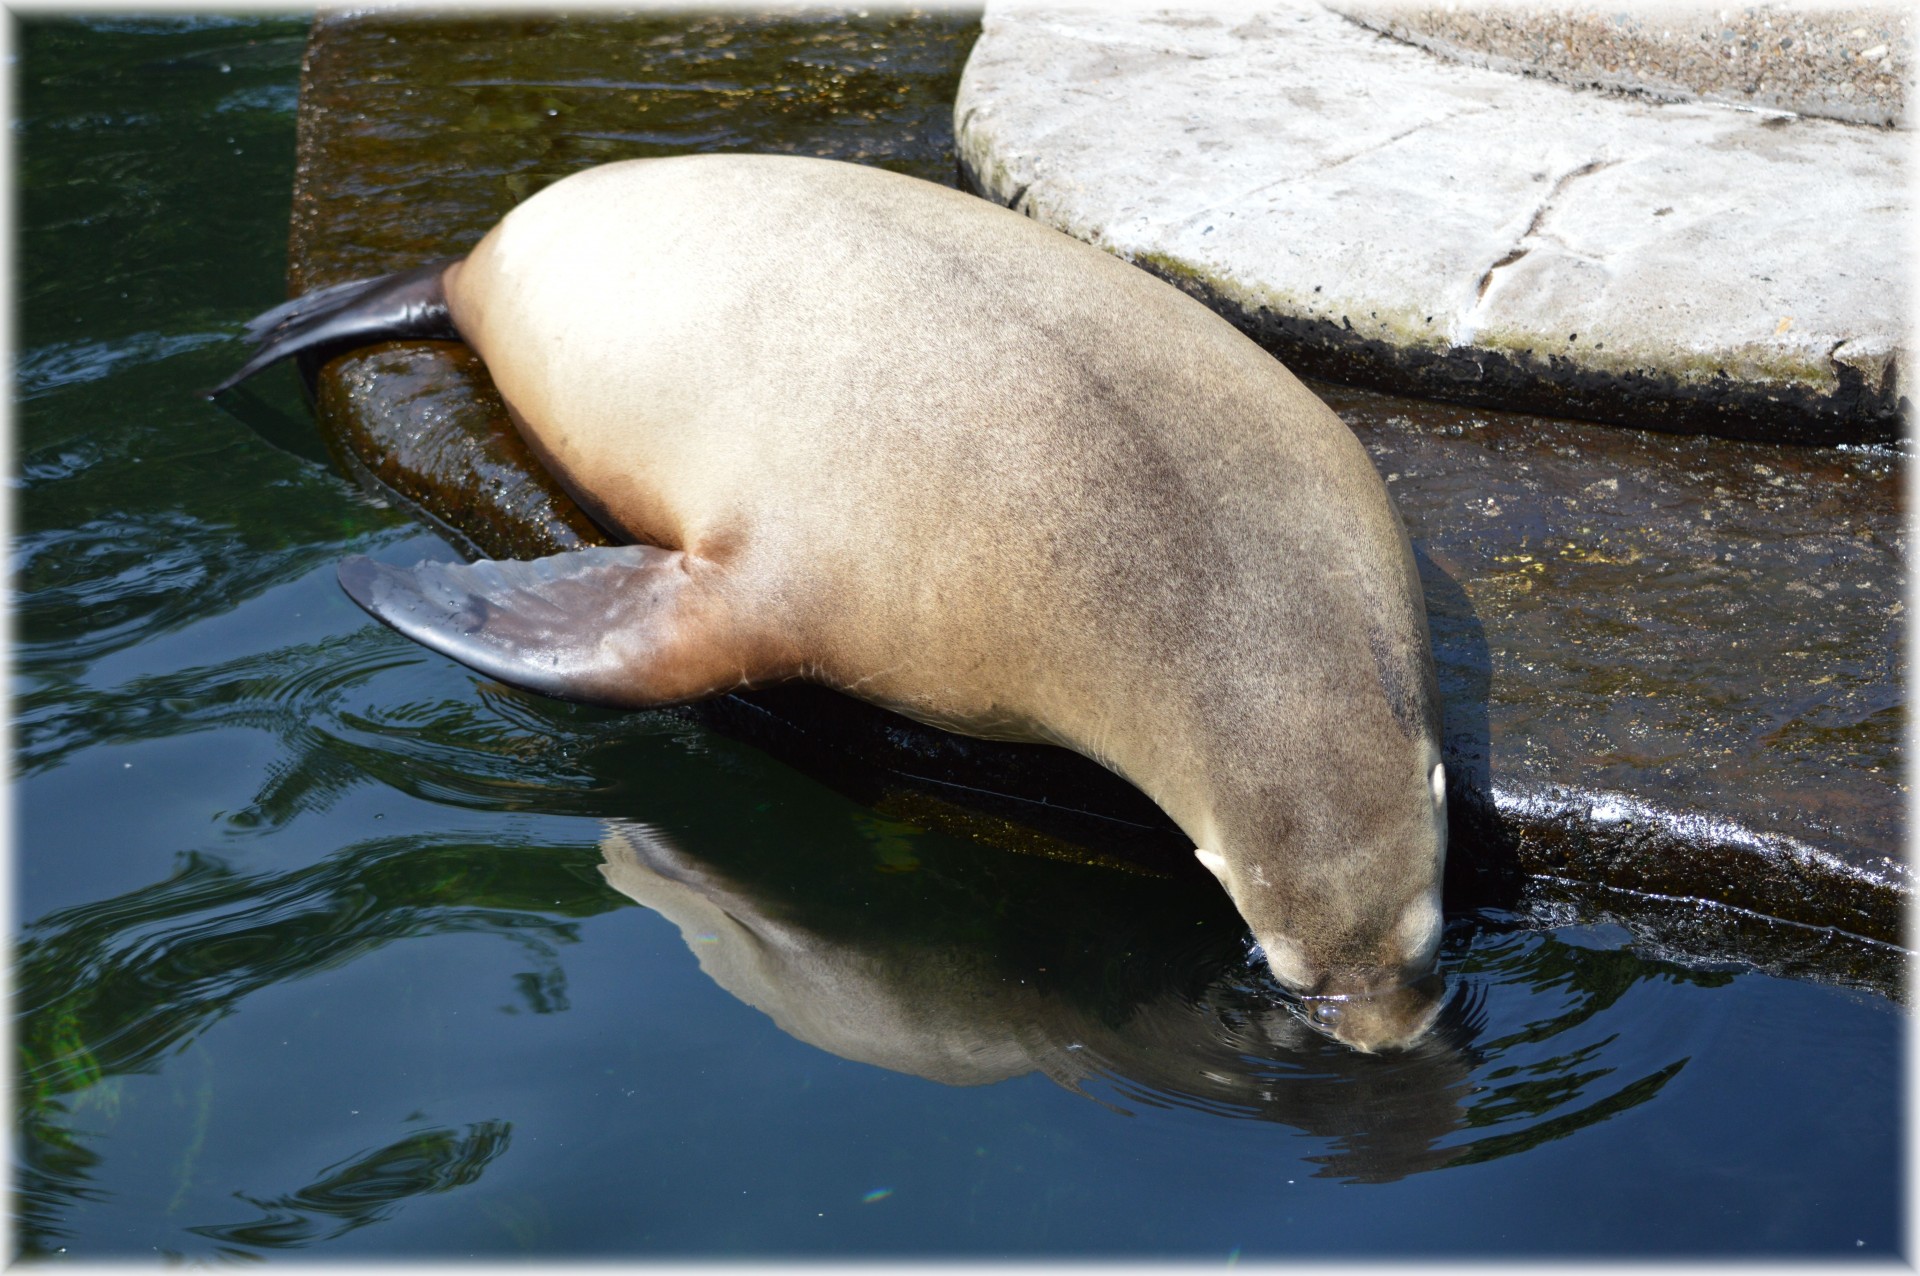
{"x":1856,"y":411}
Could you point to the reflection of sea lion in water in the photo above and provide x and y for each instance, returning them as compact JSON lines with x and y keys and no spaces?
{"x":882,"y":435}
{"x":913,"y":978}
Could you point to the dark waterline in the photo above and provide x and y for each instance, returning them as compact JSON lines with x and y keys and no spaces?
{"x":325,"y":945}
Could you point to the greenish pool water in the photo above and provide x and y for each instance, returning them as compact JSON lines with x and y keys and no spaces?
{"x":327,"y":946}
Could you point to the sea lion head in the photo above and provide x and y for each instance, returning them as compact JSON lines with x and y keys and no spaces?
{"x":1340,"y":885}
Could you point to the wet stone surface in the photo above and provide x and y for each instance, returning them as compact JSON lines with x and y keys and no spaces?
{"x":417,"y":134}
{"x":423,"y":420}
{"x":1678,"y":643}
{"x":1685,"y":617}
{"x":1672,"y":665}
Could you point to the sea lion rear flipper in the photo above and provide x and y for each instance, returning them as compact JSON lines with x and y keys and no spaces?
{"x":411,"y":303}
{"x":619,"y":626}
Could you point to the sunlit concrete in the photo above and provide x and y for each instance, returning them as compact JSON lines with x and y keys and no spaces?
{"x":1344,"y":187}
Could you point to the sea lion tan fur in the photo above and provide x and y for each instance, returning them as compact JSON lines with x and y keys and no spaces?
{"x":886,"y":436}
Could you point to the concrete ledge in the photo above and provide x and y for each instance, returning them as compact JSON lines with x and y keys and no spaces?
{"x":1848,"y":64}
{"x":1374,"y":214}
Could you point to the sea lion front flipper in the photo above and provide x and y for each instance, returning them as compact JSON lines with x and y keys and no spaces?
{"x":621,"y":625}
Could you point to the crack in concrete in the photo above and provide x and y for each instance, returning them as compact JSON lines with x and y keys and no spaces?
{"x":1546,"y":205}
{"x":1467,"y":326}
{"x":1368,"y":149}
{"x":1515,"y":255}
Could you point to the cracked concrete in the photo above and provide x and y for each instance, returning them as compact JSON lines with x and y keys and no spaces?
{"x":1376,"y":214}
{"x":1464,"y":331}
{"x":1848,"y":64}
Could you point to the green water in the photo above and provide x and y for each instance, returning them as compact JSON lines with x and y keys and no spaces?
{"x":327,"y":946}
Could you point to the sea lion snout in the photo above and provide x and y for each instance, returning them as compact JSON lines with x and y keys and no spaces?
{"x":1384,"y":1001}
{"x":1392,"y":1018}
{"x":1385,"y":998}
{"x":1339,"y":879}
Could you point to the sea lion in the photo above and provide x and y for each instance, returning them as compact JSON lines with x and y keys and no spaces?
{"x":886,"y":436}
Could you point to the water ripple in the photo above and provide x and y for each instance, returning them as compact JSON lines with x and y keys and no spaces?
{"x":114,"y":986}
{"x":49,"y":367}
{"x":367,"y":1188}
{"x":349,"y":711}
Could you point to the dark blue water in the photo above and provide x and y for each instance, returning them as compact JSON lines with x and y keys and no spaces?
{"x":327,"y":946}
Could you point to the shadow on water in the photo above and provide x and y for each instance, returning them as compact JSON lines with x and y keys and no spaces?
{"x":1481,"y":868}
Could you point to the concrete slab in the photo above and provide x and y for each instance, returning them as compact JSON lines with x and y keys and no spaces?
{"x":1378,"y":215}
{"x":1849,"y":64}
